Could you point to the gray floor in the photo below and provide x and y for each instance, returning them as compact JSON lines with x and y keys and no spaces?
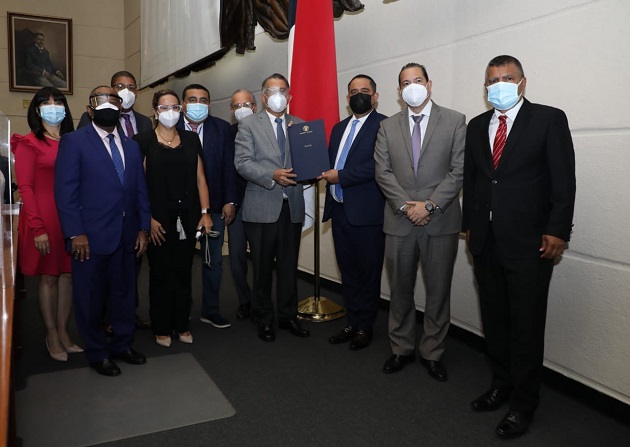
{"x":306,"y":392}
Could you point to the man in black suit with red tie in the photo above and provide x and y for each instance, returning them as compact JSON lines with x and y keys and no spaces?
{"x":519,"y":194}
{"x":355,"y":204}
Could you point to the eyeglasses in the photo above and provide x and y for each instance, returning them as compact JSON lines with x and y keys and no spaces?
{"x":102,"y":98}
{"x":120,"y":86}
{"x":240,"y":105}
{"x":273,"y":91}
{"x":166,"y":108}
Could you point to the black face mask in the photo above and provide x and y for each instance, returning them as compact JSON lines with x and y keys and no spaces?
{"x":360,"y":103}
{"x":105,"y":117}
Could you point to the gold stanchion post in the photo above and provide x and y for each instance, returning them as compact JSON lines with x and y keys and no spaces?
{"x":318,"y":308}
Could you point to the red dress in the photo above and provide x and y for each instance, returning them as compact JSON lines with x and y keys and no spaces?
{"x":35,"y":174}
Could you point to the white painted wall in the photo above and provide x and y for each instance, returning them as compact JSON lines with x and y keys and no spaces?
{"x":574,"y":53}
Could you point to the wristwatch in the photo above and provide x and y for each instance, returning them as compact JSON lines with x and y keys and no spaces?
{"x":205,"y":210}
{"x":430,"y":206}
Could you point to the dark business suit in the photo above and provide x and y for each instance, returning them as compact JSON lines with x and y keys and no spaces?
{"x":434,"y":245}
{"x":357,"y":223}
{"x":143,"y":123}
{"x":92,"y":201}
{"x":531,"y":193}
{"x":218,"y":155}
{"x":237,"y":241}
{"x":273,"y":223}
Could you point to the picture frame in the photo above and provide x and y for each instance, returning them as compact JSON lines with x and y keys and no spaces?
{"x":40,"y":52}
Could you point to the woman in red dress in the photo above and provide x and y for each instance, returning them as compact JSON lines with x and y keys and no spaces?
{"x":42,"y":250}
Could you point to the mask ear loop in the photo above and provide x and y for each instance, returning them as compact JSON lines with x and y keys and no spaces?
{"x":206,"y":252}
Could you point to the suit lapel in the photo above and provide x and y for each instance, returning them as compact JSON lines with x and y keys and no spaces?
{"x":268,"y":129}
{"x":335,"y":139}
{"x":434,"y":119}
{"x":403,"y":120}
{"x":520,"y":124}
{"x":485,"y":141}
{"x":103,"y":154}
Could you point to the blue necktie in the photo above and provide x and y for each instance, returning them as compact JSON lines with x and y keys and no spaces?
{"x":344,"y":155}
{"x":117,"y":158}
{"x":281,"y":138}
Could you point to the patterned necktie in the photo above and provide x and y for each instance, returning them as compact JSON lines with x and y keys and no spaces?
{"x":416,"y":142}
{"x":281,"y":138}
{"x":499,"y":141}
{"x":193,"y":127}
{"x":117,"y":158}
{"x":128,"y":126}
{"x":343,"y":156}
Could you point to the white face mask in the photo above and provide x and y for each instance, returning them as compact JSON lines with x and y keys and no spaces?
{"x":243,"y":112}
{"x":168,"y":118}
{"x":277,"y":102}
{"x":414,"y":94}
{"x":128,"y":98}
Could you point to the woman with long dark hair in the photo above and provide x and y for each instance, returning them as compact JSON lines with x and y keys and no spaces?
{"x":41,"y":246}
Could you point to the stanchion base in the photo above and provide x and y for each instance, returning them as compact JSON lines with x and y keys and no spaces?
{"x":319,"y":310}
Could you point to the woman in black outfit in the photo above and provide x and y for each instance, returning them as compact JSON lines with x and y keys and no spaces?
{"x":179,"y":199}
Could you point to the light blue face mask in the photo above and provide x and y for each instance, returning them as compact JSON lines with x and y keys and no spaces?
{"x":52,"y":114}
{"x":503,"y":95}
{"x":196,"y":111}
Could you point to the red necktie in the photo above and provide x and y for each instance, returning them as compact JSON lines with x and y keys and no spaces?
{"x":193,"y":127}
{"x":499,"y":141}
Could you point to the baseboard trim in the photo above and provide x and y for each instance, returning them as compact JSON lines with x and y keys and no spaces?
{"x":601,"y":402}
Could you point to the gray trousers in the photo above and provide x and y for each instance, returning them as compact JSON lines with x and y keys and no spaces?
{"x":436,"y":255}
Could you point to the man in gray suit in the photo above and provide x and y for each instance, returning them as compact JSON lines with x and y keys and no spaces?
{"x":419,"y":158}
{"x":273,"y":208}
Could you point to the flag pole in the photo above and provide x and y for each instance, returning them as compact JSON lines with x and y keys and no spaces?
{"x":318,"y":308}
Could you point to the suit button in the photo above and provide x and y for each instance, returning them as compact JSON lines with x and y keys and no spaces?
{"x":494,"y":182}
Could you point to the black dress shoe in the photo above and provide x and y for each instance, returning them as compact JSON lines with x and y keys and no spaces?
{"x":295,"y":328}
{"x":360,"y":339}
{"x":106,"y":368}
{"x":397,"y":362}
{"x":342,"y":336}
{"x":130,"y":356}
{"x":265,"y":332}
{"x":515,"y":423}
{"x":244,"y":312}
{"x":436,"y":369}
{"x":490,"y":400}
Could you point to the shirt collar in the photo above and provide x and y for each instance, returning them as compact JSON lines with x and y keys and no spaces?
{"x":511,"y":114}
{"x":426,"y":111}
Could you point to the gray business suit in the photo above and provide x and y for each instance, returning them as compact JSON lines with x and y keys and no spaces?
{"x":272,"y":215}
{"x":439,"y":178}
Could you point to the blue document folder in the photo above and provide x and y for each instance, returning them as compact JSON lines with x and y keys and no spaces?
{"x":309,"y":152}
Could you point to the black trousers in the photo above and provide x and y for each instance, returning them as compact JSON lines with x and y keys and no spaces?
{"x":513,"y":297}
{"x":279,"y":240}
{"x":170,"y":284}
{"x":359,"y":252}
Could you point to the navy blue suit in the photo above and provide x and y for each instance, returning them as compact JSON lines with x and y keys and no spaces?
{"x":218,"y":154}
{"x":357,"y":223}
{"x":92,"y":201}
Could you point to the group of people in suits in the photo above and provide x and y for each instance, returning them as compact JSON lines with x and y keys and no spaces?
{"x":400,"y":179}
{"x":392,"y":194}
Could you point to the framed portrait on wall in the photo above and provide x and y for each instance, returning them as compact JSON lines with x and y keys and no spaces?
{"x":40,"y":52}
